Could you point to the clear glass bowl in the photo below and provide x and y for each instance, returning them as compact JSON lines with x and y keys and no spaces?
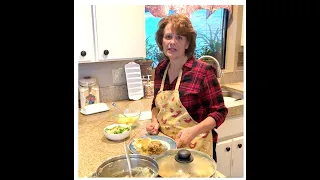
{"x":132,"y":114}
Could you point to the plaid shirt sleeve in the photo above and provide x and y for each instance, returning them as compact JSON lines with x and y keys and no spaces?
{"x":212,"y":96}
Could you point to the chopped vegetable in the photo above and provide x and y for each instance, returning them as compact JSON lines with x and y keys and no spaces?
{"x":117,"y":130}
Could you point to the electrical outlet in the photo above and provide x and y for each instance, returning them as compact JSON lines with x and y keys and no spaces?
{"x":118,"y":76}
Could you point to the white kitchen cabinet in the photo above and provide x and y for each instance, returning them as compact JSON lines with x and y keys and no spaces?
{"x":230,"y":157}
{"x":84,"y":35}
{"x":237,"y":157}
{"x":223,"y":150}
{"x":120,"y":31}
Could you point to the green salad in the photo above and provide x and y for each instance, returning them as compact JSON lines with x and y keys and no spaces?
{"x":117,"y":130}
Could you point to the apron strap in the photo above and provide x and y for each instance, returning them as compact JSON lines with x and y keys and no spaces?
{"x":178,"y":81}
{"x":164,"y":77}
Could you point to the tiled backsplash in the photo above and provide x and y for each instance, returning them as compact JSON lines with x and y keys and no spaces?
{"x":110,"y":92}
{"x":116,"y":93}
{"x":113,"y":93}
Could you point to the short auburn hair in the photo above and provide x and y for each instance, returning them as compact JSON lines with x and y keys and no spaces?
{"x":183,"y":26}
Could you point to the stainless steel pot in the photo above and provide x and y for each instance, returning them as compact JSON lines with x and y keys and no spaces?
{"x":118,"y":167}
{"x":186,"y":163}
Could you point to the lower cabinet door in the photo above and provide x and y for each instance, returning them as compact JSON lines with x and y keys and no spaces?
{"x":237,"y":157}
{"x":223,"y":151}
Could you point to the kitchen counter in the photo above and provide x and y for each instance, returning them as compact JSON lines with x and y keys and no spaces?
{"x":239,"y":86}
{"x":236,"y":107}
{"x":94,"y":148}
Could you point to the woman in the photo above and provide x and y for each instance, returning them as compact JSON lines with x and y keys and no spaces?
{"x":188,"y":102}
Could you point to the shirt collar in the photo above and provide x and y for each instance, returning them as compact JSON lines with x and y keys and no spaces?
{"x":188,"y":64}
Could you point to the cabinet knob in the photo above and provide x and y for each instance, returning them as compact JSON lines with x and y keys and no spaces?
{"x":105,"y":52}
{"x":239,"y":145}
{"x":228,"y":148}
{"x":83,"y":53}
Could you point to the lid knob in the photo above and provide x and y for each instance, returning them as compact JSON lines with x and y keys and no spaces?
{"x":184,"y":156}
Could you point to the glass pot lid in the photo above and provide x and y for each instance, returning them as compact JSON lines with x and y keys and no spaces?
{"x":185,"y":163}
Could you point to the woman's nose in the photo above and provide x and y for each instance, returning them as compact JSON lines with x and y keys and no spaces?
{"x":173,"y":41}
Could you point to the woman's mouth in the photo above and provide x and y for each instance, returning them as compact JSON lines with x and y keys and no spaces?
{"x":172,"y":49}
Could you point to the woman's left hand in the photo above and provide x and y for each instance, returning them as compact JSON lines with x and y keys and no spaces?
{"x":185,"y":136}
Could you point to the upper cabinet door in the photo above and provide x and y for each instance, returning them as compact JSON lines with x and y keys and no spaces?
{"x":120,"y":31}
{"x":84,"y":44}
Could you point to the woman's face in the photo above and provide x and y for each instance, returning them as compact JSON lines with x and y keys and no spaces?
{"x":174,"y":45}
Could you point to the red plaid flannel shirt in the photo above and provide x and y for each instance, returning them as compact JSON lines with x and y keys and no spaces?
{"x":199,"y":90}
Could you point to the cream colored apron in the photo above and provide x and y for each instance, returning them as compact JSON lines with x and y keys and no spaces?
{"x":173,"y":117}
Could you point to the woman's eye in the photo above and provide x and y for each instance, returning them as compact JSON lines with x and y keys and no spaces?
{"x":167,"y":36}
{"x":179,"y":37}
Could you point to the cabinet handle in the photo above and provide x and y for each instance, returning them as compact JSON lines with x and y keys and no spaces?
{"x":228,"y":148}
{"x":105,"y":52}
{"x":83,"y":53}
{"x":239,"y":145}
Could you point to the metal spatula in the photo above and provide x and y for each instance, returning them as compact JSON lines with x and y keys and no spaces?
{"x":128,"y":159}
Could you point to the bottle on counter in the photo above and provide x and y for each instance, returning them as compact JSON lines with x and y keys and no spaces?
{"x":89,"y":91}
{"x":148,"y":88}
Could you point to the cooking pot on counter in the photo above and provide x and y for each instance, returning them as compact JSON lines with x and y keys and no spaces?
{"x":185,"y":163}
{"x":142,"y":166}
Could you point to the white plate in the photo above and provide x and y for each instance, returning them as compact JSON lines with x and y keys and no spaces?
{"x":166,"y":141}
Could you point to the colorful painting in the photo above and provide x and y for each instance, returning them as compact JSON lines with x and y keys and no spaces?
{"x":209,"y":22}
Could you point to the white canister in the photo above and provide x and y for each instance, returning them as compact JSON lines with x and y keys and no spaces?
{"x":89,"y":91}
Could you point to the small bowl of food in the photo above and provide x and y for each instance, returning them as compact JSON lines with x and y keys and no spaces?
{"x":117,"y":132}
{"x":131,"y":114}
{"x":129,"y":118}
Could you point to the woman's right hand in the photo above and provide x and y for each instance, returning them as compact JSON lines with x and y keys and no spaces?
{"x":153,"y":128}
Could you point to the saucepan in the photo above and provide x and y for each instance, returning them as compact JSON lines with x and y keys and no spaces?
{"x":186,"y":163}
{"x":178,"y":163}
{"x":142,"y":167}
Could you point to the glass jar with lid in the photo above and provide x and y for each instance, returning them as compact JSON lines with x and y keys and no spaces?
{"x":89,"y":91}
{"x":148,"y":88}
